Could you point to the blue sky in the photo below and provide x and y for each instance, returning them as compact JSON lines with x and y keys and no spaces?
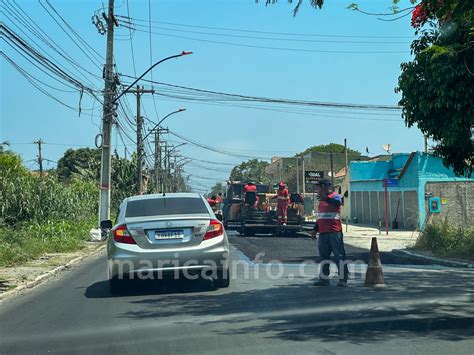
{"x":356,"y":76}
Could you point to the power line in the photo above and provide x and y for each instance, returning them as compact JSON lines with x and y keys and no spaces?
{"x":87,"y":46}
{"x":276,"y":48}
{"x":332,"y":40}
{"x":265,"y":32}
{"x":284,"y":101}
{"x":19,"y":15}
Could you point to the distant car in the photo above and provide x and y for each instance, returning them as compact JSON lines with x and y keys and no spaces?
{"x":172,"y":233}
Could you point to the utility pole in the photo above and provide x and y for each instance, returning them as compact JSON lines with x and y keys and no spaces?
{"x":297,"y":176}
{"x":139,"y":144}
{"x":347,"y":161}
{"x":332,"y":169}
{"x":175,"y":179}
{"x":107,"y":120}
{"x":304,"y":177}
{"x":165,"y":175}
{"x":139,"y":91}
{"x":40,"y":157}
{"x":157,"y":160}
{"x":158,"y":173}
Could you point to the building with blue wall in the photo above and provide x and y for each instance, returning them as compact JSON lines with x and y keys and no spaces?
{"x":414,"y":179}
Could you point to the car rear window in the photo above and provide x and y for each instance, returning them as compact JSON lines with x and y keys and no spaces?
{"x":165,"y":206}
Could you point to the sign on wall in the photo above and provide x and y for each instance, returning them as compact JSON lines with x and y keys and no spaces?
{"x":313,"y":176}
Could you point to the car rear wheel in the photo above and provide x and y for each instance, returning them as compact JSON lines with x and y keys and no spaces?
{"x":223,"y":278}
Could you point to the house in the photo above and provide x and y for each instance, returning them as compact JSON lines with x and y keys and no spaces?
{"x":415,"y":181}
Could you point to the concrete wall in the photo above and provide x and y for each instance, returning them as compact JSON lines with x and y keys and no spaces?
{"x":374,"y":208}
{"x":459,"y":206}
{"x":410,"y":209}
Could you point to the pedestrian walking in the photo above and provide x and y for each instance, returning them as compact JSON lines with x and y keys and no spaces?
{"x":329,"y":228}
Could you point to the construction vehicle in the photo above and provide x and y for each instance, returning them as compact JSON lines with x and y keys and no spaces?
{"x":251,"y":213}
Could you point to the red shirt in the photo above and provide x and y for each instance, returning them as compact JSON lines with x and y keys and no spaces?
{"x":212,"y":203}
{"x":250,"y":188}
{"x":329,"y":214}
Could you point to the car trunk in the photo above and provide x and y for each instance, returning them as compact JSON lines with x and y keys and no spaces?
{"x":170,"y":231}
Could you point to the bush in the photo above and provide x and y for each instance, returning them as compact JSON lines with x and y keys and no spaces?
{"x":444,"y":239}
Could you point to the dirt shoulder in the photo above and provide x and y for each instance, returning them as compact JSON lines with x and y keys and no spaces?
{"x":17,"y":278}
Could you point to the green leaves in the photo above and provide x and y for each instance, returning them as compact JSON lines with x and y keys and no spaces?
{"x":253,"y":170}
{"x":437,"y":87}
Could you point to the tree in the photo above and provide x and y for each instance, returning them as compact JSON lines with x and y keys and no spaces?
{"x":253,"y":169}
{"x":218,"y":188}
{"x":82,"y":162}
{"x":437,"y":86}
{"x":328,"y":148}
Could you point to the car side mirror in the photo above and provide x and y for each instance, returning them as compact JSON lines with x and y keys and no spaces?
{"x":106,"y":224}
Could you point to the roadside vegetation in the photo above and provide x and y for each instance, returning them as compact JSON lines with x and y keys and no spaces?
{"x":41,"y":214}
{"x":447,"y":240}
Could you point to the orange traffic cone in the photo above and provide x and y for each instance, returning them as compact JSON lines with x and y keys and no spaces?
{"x":374,"y":275}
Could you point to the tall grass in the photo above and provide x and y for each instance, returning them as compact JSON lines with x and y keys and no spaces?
{"x":25,"y":197}
{"x":42,"y":214}
{"x":445,"y":239}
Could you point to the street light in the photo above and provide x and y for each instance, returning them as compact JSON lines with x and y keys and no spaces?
{"x":171,"y":150}
{"x":183,"y":53}
{"x":158,"y":124}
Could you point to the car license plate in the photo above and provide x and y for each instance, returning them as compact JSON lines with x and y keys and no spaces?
{"x":169,"y":234}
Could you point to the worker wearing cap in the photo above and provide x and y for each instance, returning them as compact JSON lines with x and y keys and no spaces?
{"x":329,"y":227}
{"x":283,"y":202}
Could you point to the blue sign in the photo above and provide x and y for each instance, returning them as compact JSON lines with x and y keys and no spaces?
{"x":391,"y":182}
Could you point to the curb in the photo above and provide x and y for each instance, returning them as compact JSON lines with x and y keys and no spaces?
{"x":40,"y":279}
{"x":433,"y":259}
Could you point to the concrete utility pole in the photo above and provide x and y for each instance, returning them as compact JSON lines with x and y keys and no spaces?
{"x":175,"y":178}
{"x":304,"y":177}
{"x":165,"y":164}
{"x":139,"y":144}
{"x":107,"y":120}
{"x":158,"y":173}
{"x":297,"y":176}
{"x":345,"y":152}
{"x":332,"y":168}
{"x":157,"y":160}
{"x":40,"y":157}
{"x":139,"y":91}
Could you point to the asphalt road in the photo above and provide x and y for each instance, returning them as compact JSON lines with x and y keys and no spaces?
{"x":422,"y":310}
{"x":301,"y":248}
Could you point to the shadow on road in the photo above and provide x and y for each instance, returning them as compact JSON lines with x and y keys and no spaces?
{"x":435,"y":305}
{"x":149,"y":287}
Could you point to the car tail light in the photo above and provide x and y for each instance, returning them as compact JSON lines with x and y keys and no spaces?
{"x":122,"y":235}
{"x":215,"y":229}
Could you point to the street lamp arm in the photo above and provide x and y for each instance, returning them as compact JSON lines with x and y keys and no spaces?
{"x":158,"y":124}
{"x":148,"y":70}
{"x":170,"y":151}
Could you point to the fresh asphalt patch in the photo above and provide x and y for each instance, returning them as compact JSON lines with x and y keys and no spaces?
{"x":300,"y":248}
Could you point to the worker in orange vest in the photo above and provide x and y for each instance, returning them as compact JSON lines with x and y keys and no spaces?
{"x":283,"y":202}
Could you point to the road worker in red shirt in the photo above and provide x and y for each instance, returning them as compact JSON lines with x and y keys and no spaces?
{"x":283,"y":202}
{"x":329,"y":228}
